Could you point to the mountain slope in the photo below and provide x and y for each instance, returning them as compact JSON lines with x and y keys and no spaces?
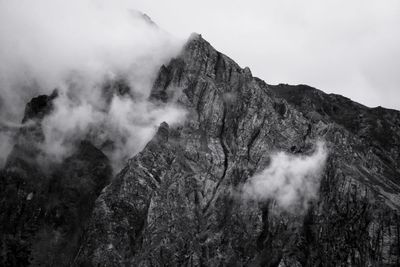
{"x":378,"y":127}
{"x":45,"y":206}
{"x":180,"y":202}
{"x":174,"y":203}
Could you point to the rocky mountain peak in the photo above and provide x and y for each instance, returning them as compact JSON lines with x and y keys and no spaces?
{"x":39,"y":106}
{"x":176,"y":195}
{"x":180,"y":201}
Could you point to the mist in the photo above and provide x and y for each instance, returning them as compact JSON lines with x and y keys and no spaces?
{"x":78,"y":47}
{"x":291,"y":181}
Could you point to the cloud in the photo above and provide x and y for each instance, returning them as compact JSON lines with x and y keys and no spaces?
{"x":80,"y":47}
{"x":290,"y":180}
{"x":5,"y":145}
{"x":121,"y":131}
{"x":45,"y":41}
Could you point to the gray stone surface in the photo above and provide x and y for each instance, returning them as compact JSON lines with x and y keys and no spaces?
{"x":177,"y":202}
{"x":172,"y":205}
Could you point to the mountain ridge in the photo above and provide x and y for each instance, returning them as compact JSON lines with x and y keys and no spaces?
{"x":172,"y":203}
{"x":210,"y":86}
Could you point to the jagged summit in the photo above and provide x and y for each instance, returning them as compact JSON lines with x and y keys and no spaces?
{"x":174,"y":203}
{"x":39,"y":106}
{"x":178,"y":190}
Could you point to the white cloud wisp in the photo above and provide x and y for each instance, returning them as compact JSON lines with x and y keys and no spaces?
{"x":290,"y":180}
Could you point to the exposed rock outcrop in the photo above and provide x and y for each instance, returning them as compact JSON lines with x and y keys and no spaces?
{"x":178,"y":203}
{"x":173,"y":203}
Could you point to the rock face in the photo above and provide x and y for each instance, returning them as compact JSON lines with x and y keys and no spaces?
{"x":173,"y":203}
{"x":176,"y":202}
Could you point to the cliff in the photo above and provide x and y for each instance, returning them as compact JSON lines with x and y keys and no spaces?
{"x":176,"y":202}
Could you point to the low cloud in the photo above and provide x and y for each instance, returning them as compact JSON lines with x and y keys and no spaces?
{"x":121,"y":131}
{"x":290,"y":180}
{"x":79,"y":47}
{"x":5,"y":145}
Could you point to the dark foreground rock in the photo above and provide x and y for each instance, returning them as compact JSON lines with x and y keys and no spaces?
{"x":45,"y":207}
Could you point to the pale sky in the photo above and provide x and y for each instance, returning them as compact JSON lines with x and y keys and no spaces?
{"x":348,"y":47}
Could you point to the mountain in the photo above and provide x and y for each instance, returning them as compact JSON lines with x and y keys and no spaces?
{"x":176,"y":202}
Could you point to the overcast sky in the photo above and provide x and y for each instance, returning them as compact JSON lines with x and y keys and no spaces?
{"x":349,"y":47}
